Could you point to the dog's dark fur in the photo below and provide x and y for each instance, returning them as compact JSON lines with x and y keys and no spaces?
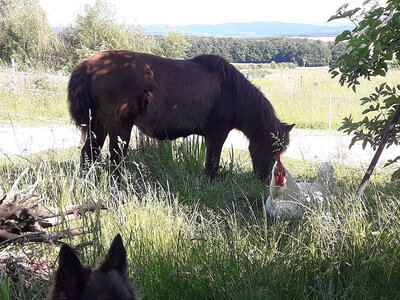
{"x":166,"y":99}
{"x":108,"y":281}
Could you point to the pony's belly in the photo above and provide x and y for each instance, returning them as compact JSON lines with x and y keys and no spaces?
{"x":164,"y":132}
{"x":167,"y":124}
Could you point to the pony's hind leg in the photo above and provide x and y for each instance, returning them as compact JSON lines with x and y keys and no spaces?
{"x":119,"y":144}
{"x":93,"y":144}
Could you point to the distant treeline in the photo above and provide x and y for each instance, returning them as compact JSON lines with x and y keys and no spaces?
{"x":27,"y":39}
{"x":303,"y":52}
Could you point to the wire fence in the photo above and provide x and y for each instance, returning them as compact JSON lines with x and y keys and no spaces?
{"x":333,"y":102}
{"x":32,"y":97}
{"x":14,"y":80}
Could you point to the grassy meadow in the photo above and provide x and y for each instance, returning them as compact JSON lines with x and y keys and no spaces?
{"x":33,"y":98}
{"x":33,"y":108}
{"x":189,"y":239}
{"x":311,"y":89}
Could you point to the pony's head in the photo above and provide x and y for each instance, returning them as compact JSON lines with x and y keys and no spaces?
{"x":107,"y":281}
{"x":282,"y":140}
{"x":263,"y":153}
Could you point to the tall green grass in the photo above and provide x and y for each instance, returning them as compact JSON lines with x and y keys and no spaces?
{"x":187,"y":238}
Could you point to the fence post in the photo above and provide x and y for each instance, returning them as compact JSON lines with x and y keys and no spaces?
{"x":291,"y":88}
{"x":301,"y":82}
{"x":330,"y":111}
{"x":15,"y":79}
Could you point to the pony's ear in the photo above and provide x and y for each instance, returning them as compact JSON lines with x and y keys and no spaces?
{"x":115,"y":258}
{"x":288,"y":127}
{"x":70,"y":274}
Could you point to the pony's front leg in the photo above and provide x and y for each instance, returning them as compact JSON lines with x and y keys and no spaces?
{"x":214,"y":145}
{"x":263,"y":161}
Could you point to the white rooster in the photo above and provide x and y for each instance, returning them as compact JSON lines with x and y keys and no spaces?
{"x":288,"y":199}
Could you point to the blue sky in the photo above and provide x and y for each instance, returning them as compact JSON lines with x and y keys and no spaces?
{"x":181,"y":12}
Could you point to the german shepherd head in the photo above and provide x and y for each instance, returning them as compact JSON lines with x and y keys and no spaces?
{"x":108,"y":281}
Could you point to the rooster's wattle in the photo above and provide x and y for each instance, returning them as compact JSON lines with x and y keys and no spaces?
{"x":279,"y":172}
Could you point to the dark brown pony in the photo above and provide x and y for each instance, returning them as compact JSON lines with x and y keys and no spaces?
{"x":166,"y":99}
{"x":108,"y":281}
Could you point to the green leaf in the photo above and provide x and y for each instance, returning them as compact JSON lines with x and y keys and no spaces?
{"x":351,"y":13}
{"x":391,"y":161}
{"x":388,"y":55}
{"x":353,"y":141}
{"x":395,"y":175}
{"x":345,"y":35}
{"x":377,"y":259}
{"x":384,"y":236}
{"x":365,"y":100}
{"x":364,"y":144}
{"x":371,"y":108}
{"x":381,"y":72}
{"x":335,"y":17}
{"x":381,"y":87}
{"x":5,"y":288}
{"x":392,"y":100}
{"x":334,"y":73}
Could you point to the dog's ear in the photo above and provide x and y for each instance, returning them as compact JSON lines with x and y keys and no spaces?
{"x":115,"y":258}
{"x":70,"y":276}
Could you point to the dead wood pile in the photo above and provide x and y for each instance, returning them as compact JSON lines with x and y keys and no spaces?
{"x":24,"y":219}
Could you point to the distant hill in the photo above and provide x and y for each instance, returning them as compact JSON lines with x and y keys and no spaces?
{"x":254,"y":30}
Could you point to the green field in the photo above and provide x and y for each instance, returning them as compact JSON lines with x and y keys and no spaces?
{"x":309,"y":105}
{"x":189,"y":239}
{"x":33,"y":108}
{"x":34,"y":99}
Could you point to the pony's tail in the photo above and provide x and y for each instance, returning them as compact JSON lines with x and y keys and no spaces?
{"x":80,"y":100}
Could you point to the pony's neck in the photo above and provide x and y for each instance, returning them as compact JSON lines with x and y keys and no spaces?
{"x":255,"y":114}
{"x":258,"y":119}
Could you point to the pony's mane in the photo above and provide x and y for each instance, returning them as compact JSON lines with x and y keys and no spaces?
{"x":239,"y":87}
